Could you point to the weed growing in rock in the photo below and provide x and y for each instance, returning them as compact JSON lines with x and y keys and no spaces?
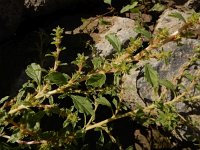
{"x":56,"y":110}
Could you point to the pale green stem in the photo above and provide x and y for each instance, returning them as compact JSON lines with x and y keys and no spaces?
{"x":99,"y":124}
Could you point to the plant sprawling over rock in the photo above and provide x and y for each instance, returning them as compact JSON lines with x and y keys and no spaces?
{"x":84,"y":108}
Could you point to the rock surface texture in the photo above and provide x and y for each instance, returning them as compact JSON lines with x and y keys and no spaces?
{"x":136,"y":89}
{"x":180,"y":54}
{"x":16,"y":54}
{"x":122,"y":27}
{"x":139,"y":92}
{"x":192,"y":4}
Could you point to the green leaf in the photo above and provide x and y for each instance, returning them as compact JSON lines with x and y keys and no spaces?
{"x":117,"y":78}
{"x":80,"y":133}
{"x":151,"y":75}
{"x":103,"y":101}
{"x":20,"y":95}
{"x":3,"y":116}
{"x":114,"y":41}
{"x":97,"y":62}
{"x":1,"y":130}
{"x":4,"y":99}
{"x":167,"y":117}
{"x":83,"y":19}
{"x":198,"y":87}
{"x":104,"y":22}
{"x":83,"y":105}
{"x":108,"y":1}
{"x":96,"y":80}
{"x":57,"y":78}
{"x":114,"y":101}
{"x":34,"y":71}
{"x":66,"y":123}
{"x":51,"y":100}
{"x":188,"y":75}
{"x":177,"y":15}
{"x":130,"y":148}
{"x":158,"y":7}
{"x":135,"y":10}
{"x":144,"y":32}
{"x":167,"y":84}
{"x":101,"y":139}
{"x":128,"y":7}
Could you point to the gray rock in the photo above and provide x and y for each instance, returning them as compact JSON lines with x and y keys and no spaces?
{"x":181,"y":52}
{"x":184,"y":4}
{"x":171,"y":23}
{"x":192,"y":4}
{"x":122,"y":27}
{"x":138,"y":92}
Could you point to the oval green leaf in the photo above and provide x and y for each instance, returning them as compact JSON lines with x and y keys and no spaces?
{"x":167,"y":84}
{"x":82,"y":104}
{"x":108,"y":1}
{"x":103,"y":101}
{"x":34,"y":71}
{"x":114,"y":41}
{"x":57,"y":78}
{"x":151,"y":75}
{"x":97,"y":80}
{"x":128,"y":7}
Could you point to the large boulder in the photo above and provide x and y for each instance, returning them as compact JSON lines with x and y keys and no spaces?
{"x":139,"y":92}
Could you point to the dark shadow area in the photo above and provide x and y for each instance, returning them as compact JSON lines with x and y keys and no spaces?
{"x":22,"y":49}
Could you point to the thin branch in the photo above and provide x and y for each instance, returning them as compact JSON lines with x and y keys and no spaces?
{"x":99,"y":124}
{"x":125,"y":56}
{"x":24,"y":130}
{"x":157,"y":44}
{"x":19,"y":108}
{"x":25,"y":142}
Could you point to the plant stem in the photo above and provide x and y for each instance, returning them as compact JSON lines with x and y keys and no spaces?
{"x":99,"y":124}
{"x":25,"y":142}
{"x":159,"y":43}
